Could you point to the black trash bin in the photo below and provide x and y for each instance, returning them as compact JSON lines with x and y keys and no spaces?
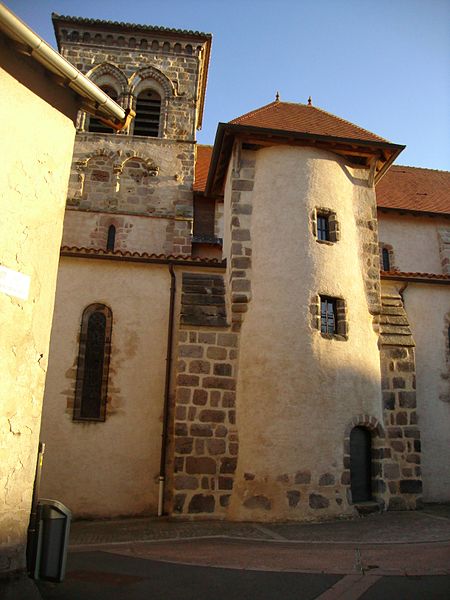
{"x":52,"y":540}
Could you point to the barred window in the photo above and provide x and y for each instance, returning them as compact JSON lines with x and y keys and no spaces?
{"x":325,"y":225}
{"x":93,"y":364}
{"x":323,"y":232}
{"x":328,"y":315}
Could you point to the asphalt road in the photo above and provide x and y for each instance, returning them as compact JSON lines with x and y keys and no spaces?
{"x":101,"y":575}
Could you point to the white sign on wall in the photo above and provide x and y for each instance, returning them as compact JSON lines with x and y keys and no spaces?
{"x":14,"y":283}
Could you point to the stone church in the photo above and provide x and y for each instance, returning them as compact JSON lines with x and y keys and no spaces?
{"x":257,"y":330}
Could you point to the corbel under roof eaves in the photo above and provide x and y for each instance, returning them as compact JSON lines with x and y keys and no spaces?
{"x":227,"y":132}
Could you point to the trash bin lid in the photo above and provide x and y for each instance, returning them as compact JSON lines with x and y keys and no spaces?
{"x":53,"y":509}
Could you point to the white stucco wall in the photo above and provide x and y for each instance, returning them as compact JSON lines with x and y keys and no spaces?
{"x":108,"y":468}
{"x":37,"y":141}
{"x":415,"y":241}
{"x":427,"y":307}
{"x":297,"y":391}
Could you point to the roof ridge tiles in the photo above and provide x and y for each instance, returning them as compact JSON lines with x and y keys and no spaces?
{"x":124,"y":24}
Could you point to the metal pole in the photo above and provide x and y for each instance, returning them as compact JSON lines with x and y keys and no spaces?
{"x":33,"y":527}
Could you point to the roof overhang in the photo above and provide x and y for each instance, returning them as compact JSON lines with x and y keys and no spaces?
{"x":377,"y":156}
{"x":412,"y":212}
{"x":427,"y":278}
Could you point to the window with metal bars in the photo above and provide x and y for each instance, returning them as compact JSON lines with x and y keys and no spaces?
{"x":95,"y":125}
{"x":328,"y":315}
{"x":323,"y":230}
{"x":325,"y":225}
{"x":148,"y":113}
{"x":93,"y":364}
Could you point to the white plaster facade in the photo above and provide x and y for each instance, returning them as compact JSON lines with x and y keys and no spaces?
{"x":37,"y":137}
{"x":295,"y":418}
{"x":415,"y":240}
{"x":108,"y":468}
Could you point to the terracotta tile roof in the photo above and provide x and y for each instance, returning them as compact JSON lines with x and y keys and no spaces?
{"x":133,"y":26}
{"x":203,"y":158}
{"x":304,"y":118}
{"x":416,"y":189}
{"x":82,"y":251}
{"x":414,"y":275}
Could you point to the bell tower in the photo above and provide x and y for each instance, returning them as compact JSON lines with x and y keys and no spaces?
{"x":147,"y":170}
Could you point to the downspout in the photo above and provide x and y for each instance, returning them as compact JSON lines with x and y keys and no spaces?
{"x":162,"y":466}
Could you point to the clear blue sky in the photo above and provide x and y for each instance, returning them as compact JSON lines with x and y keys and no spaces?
{"x":384,"y":65}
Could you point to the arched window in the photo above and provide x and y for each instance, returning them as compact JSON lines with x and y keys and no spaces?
{"x":111,"y":241}
{"x":361,"y":464}
{"x":95,"y":125}
{"x":386,"y":259}
{"x":148,"y":112}
{"x":93,"y":364}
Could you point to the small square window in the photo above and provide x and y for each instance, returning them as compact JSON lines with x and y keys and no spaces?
{"x":325,"y":226}
{"x":328,"y":315}
{"x":323,"y":229}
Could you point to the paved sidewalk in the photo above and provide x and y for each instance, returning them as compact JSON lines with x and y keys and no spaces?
{"x":398,"y":556}
{"x":429,"y":525}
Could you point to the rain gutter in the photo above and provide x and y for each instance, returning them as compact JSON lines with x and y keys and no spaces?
{"x":95,"y":101}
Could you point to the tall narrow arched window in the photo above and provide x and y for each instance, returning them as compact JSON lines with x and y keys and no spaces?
{"x":148,"y":113}
{"x":111,"y":241}
{"x":386,"y":259}
{"x":97,"y":126}
{"x":93,"y":364}
{"x":361,"y":464}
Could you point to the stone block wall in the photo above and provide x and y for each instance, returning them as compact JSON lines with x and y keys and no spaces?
{"x":175,"y":65}
{"x":370,"y":254}
{"x":240,"y":259}
{"x":113,"y":173}
{"x":402,"y":471}
{"x":205,"y":438}
{"x":120,"y":175}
